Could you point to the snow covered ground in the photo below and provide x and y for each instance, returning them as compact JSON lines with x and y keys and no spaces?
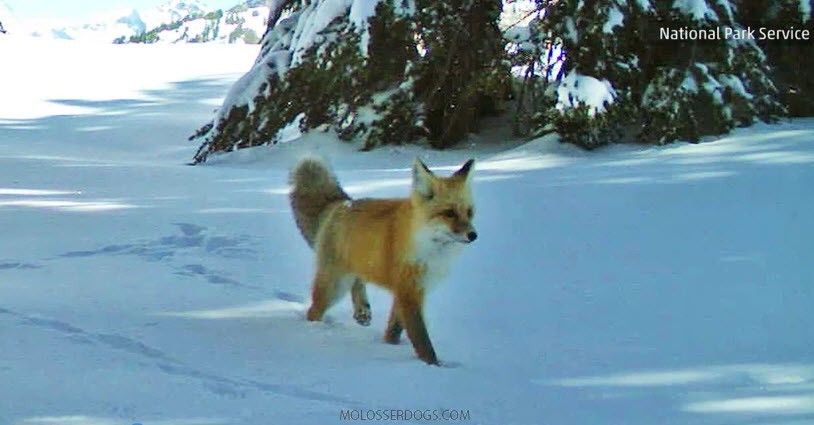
{"x":627,"y":286}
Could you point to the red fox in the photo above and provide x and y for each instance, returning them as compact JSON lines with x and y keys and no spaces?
{"x":403,"y":245}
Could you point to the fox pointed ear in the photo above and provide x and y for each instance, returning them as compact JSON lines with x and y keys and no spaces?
{"x":422,"y":179}
{"x":466,"y":170}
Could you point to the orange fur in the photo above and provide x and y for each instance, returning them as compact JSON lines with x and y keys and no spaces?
{"x":402,"y":245}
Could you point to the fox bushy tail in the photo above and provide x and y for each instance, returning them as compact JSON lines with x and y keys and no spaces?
{"x":314,"y":188}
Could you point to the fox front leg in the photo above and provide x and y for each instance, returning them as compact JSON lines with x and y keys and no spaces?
{"x":361,"y":306}
{"x":412,"y":318}
{"x":392,"y":335}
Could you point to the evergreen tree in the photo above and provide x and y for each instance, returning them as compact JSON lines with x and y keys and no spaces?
{"x":598,"y":79}
{"x":727,"y":82}
{"x":387,"y":71}
{"x":460,"y":77}
{"x":657,"y":90}
{"x":791,"y":61}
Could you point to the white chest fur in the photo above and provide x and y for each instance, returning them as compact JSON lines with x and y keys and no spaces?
{"x":435,"y":251}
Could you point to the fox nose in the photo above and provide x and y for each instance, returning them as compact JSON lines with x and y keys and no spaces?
{"x":472,"y":236}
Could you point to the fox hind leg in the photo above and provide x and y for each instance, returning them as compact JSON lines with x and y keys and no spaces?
{"x":361,"y":305}
{"x":328,"y":288}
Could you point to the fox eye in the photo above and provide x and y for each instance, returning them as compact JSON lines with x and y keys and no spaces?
{"x":469,"y":212}
{"x":448,"y":213}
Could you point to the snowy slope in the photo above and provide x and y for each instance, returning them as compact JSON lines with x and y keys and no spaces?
{"x":172,"y":22}
{"x":101,"y":28}
{"x":7,"y":18}
{"x":626,"y":286}
{"x":173,"y":10}
{"x":242,"y":24}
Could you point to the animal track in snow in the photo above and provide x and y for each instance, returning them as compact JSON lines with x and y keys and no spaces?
{"x":9,"y":265}
{"x":231,"y":387}
{"x":191,"y":239}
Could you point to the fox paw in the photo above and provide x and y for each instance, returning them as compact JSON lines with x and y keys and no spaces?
{"x":362,"y":314}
